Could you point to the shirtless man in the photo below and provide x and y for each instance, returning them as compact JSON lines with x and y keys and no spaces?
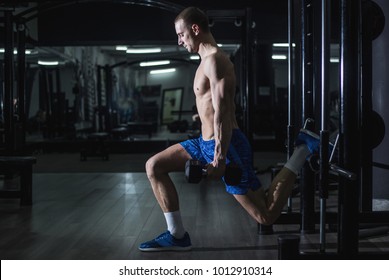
{"x":221,"y":142}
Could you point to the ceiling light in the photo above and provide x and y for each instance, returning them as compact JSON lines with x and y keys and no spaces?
{"x":48,"y":63}
{"x":279,"y":57}
{"x":121,"y":48}
{"x":2,"y":50}
{"x":334,"y":60}
{"x":154,"y":63}
{"x":194,"y":57}
{"x":149,"y":50}
{"x":283,"y":45}
{"x":162,"y":71}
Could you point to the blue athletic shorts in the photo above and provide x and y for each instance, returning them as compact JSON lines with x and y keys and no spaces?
{"x":239,"y":152}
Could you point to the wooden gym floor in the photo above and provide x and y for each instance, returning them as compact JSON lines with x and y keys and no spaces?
{"x":101,"y":210}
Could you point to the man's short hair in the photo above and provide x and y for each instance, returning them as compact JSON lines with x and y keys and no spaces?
{"x":193,"y":15}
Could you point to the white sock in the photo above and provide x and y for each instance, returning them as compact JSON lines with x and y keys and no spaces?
{"x":174,"y":224}
{"x":297,"y":160}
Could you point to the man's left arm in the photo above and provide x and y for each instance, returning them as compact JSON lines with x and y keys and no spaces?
{"x":222,"y":124}
{"x":222,"y":90}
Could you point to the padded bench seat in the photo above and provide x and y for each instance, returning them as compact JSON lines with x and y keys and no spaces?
{"x":22,"y":164}
{"x":95,"y":146}
{"x":141,"y":128}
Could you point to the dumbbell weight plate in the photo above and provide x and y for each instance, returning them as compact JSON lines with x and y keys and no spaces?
{"x":193,"y":171}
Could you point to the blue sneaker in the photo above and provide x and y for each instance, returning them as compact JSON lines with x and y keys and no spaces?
{"x":312,"y":141}
{"x":309,"y":138}
{"x":167,"y":242}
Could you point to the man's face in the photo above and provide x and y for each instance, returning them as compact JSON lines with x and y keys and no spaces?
{"x":186,"y":36}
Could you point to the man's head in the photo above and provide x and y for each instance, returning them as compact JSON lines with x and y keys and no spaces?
{"x":193,"y":15}
{"x":189,"y":24}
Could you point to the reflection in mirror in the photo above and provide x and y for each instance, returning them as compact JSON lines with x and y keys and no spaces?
{"x":171,"y":105}
{"x":77,"y":90}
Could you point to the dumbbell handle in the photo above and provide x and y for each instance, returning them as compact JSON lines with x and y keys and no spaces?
{"x":232,"y":174}
{"x":315,"y":166}
{"x":343,"y":172}
{"x":228,"y":168}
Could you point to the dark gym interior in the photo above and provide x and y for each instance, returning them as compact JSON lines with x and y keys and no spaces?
{"x":81,"y":111}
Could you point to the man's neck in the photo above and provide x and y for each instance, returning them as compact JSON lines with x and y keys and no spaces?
{"x":207,"y":46}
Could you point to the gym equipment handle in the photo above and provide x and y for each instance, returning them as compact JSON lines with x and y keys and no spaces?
{"x":343,"y":172}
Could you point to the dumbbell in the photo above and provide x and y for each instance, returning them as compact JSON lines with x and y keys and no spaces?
{"x":314,"y":164}
{"x":195,"y":171}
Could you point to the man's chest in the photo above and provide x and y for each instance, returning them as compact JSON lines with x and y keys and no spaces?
{"x":201,"y":82}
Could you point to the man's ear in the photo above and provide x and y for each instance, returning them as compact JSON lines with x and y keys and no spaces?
{"x":195,"y":29}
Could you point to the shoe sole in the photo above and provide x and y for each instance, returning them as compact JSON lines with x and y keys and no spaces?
{"x":164,"y":249}
{"x":314,"y":135}
{"x":317,"y":137}
{"x":310,"y":133}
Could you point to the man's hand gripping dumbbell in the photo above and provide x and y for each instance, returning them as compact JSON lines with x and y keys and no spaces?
{"x":195,"y":171}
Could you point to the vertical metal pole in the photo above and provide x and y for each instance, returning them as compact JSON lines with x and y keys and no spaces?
{"x":9,"y":136}
{"x":30,"y":78}
{"x":291,"y":95}
{"x":108,"y":97}
{"x":50,"y":116}
{"x":348,"y":128}
{"x":2,"y":99}
{"x":307,"y":179}
{"x":21,"y":84}
{"x":307,"y":59}
{"x":99,"y":93}
{"x":59,"y":105}
{"x":324,"y":135}
{"x":249,"y":74}
{"x":244,"y":78}
{"x":57,"y":81}
{"x":43,"y":91}
{"x":304,"y":68}
{"x":366,"y":108}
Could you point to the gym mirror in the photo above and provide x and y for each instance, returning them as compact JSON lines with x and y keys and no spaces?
{"x":171,"y":105}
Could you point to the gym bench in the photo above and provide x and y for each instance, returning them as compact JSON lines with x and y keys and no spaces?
{"x":141,"y":128}
{"x":95,"y":146}
{"x":23,"y":165}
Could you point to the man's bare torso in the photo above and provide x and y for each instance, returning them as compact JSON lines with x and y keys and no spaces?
{"x":204,"y":96}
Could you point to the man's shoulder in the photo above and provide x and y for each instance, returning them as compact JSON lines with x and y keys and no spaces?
{"x":217,"y":55}
{"x":218,"y":58}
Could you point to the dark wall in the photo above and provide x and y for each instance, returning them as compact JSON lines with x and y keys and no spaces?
{"x":103,"y":22}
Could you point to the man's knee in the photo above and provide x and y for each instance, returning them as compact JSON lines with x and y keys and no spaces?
{"x":157,"y":165}
{"x":151,"y":167}
{"x":263,"y":217}
{"x":171,"y":159}
{"x":267,"y":220}
{"x":256,"y":205}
